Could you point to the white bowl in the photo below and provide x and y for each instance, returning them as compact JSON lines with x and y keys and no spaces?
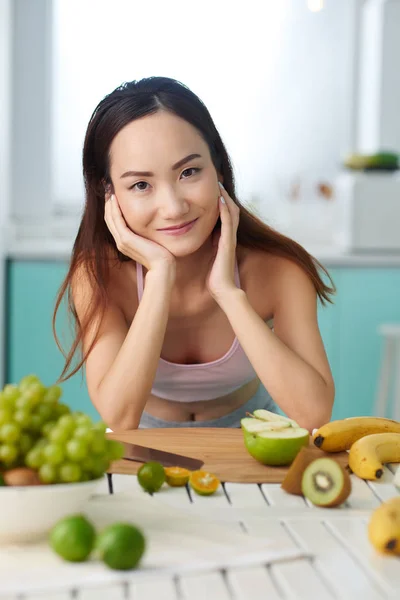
{"x":28,"y":513}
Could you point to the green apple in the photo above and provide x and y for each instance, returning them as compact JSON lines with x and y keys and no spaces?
{"x":275,"y":447}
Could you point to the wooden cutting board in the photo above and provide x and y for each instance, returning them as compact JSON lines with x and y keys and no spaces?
{"x":222,"y":451}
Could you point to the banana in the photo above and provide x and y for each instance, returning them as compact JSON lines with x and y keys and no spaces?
{"x":367,"y":455}
{"x":384,"y":527}
{"x":341,"y":435}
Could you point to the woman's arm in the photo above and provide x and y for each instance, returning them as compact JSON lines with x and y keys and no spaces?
{"x":122,"y":365}
{"x":291,"y":361}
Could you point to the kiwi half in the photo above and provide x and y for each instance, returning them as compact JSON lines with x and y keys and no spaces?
{"x":292,"y":482}
{"x":326,"y":483}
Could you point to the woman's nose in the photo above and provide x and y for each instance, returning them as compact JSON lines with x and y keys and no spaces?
{"x":172,"y":204}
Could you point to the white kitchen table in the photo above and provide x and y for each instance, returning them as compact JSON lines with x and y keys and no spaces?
{"x":341,"y":563}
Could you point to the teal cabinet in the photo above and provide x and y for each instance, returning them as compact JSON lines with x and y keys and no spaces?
{"x":365,"y":298}
{"x":31,"y":348}
{"x":328,"y":319}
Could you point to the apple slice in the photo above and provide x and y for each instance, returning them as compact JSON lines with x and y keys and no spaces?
{"x":267,"y":415}
{"x":252,"y":425}
{"x":279,"y":447}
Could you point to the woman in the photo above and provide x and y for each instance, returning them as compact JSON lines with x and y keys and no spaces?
{"x":174,"y":285}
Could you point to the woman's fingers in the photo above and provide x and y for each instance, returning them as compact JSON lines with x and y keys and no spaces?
{"x":233,"y":209}
{"x":226,"y":225}
{"x":109,"y":219}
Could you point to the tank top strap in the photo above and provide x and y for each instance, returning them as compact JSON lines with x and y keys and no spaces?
{"x":139,"y":279}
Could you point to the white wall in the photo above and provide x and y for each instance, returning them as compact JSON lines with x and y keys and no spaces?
{"x":275,"y":77}
{"x":5,"y":88}
{"x":379,"y":80}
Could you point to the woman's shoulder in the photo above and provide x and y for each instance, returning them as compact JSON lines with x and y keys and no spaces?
{"x":260,"y":265}
{"x":270,"y":275}
{"x":118,"y":278}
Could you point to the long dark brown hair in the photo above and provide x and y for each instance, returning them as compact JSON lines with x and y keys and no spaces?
{"x":94,"y":242}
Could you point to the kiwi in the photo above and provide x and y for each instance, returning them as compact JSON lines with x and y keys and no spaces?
{"x":292,"y":482}
{"x":326,"y":483}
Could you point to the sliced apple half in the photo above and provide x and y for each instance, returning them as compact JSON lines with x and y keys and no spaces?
{"x":276,"y":447}
{"x":253,"y":425}
{"x":267,"y":415}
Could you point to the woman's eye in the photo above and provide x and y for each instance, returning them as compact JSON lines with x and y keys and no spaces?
{"x":139,"y":186}
{"x":142,"y":186}
{"x":191,"y":171}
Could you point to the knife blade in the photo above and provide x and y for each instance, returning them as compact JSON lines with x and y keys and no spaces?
{"x":144,"y":454}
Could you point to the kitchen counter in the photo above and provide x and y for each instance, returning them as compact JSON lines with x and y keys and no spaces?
{"x":59,"y":249}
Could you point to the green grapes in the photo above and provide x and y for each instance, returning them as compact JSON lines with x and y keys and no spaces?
{"x":40,"y":432}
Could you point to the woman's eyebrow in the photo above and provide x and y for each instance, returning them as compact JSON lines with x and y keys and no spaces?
{"x":177,"y":165}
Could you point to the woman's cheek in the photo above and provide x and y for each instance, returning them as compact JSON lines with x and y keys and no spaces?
{"x":138,"y":217}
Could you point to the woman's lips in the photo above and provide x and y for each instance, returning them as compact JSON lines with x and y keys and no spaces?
{"x":179,"y":230}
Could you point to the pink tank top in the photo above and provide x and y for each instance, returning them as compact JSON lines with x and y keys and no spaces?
{"x":204,"y":381}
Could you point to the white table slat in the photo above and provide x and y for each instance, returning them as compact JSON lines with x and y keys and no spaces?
{"x":102,"y":488}
{"x":252,"y":582}
{"x":161,"y":588}
{"x":353,"y":534}
{"x":276,"y":496}
{"x":269,"y":528}
{"x":105,"y":592}
{"x":384,"y":491}
{"x":125,"y":483}
{"x":245,"y":495}
{"x":42,"y":596}
{"x":384,"y":487}
{"x":332,"y":559}
{"x":362,"y":496}
{"x":204,"y":586}
{"x":296,"y":579}
{"x":176,"y":497}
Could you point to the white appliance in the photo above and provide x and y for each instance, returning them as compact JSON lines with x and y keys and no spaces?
{"x":369,"y":210}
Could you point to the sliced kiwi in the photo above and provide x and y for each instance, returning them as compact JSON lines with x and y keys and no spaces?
{"x":326,"y":483}
{"x":292,"y":481}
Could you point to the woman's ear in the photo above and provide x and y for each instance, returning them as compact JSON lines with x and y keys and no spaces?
{"x":108,"y":188}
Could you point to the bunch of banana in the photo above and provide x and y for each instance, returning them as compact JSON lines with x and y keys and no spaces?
{"x":368,"y":454}
{"x":384,"y":527}
{"x":341,"y":435}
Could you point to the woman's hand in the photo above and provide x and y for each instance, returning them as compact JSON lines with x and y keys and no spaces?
{"x":148,"y":253}
{"x":221,"y":277}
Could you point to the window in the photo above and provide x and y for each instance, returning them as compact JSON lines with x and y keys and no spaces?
{"x":275,"y":76}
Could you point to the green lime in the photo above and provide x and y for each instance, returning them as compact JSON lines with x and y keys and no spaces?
{"x":151,"y":476}
{"x":73,"y":538}
{"x":121,"y":546}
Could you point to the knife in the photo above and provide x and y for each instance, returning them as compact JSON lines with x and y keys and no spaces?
{"x":143,"y":454}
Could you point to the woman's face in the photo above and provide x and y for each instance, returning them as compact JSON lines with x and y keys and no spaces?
{"x":163,"y":177}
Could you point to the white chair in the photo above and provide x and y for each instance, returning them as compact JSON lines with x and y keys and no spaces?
{"x":390,"y":369}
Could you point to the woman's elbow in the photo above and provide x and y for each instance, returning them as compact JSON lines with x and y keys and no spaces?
{"x":319,"y":417}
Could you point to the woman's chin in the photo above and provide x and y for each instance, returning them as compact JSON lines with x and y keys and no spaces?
{"x":181,"y":248}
